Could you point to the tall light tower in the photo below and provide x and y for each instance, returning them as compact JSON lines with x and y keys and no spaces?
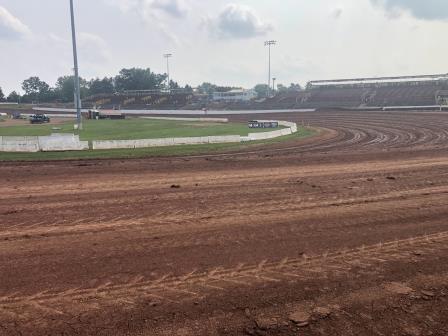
{"x":168,"y":56}
{"x":77,"y":91}
{"x":269,"y":44}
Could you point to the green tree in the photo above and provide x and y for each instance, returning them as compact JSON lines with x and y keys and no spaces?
{"x":188,"y":89}
{"x":65,"y":88}
{"x":207,"y":88}
{"x":174,"y":85}
{"x":138,"y":79}
{"x":261,"y":89}
{"x":2,"y":95}
{"x":13,"y":97}
{"x":35,"y":89}
{"x":295,"y":87}
{"x":281,"y":88}
{"x":101,"y":86}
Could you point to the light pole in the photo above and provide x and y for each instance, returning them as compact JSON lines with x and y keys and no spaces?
{"x":77,"y":92}
{"x":269,"y":44}
{"x":273,"y":84}
{"x":168,"y":56}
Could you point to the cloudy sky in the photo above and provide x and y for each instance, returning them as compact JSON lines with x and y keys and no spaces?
{"x":222,"y":41}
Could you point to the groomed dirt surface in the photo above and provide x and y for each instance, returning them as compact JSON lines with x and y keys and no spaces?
{"x":342,"y":234}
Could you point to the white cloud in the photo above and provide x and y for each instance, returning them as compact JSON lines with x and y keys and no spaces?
{"x":175,"y":8}
{"x":155,"y":14}
{"x":336,"y":13}
{"x":237,"y":22}
{"x":422,"y":9}
{"x":124,"y":5}
{"x":93,"y":48}
{"x":10,"y":26}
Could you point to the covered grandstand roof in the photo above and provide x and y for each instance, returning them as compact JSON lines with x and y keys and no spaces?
{"x":380,"y":79}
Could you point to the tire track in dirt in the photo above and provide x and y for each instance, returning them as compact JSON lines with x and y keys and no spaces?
{"x":198,"y":285}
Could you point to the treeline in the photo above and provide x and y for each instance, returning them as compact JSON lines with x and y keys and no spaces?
{"x":37,"y":91}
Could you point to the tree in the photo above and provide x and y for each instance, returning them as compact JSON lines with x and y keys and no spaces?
{"x":138,"y":79}
{"x":65,"y":88}
{"x":262,"y":90}
{"x":281,"y":88}
{"x":188,"y":89}
{"x":2,"y":95}
{"x":295,"y":87}
{"x":174,"y":85}
{"x":13,"y":97}
{"x":35,"y":88}
{"x":207,"y":88}
{"x":101,"y":86}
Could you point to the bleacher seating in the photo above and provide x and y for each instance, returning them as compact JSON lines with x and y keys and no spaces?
{"x":350,"y":96}
{"x":424,"y":93}
{"x":138,"y":101}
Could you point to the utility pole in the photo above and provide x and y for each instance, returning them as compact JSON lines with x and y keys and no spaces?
{"x":77,"y":92}
{"x":168,"y":56}
{"x":269,"y":44}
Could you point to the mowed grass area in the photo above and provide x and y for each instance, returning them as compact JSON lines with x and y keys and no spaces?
{"x":133,"y":128}
{"x":155,"y":151}
{"x":9,"y":107}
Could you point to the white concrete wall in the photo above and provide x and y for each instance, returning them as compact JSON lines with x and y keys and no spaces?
{"x":265,"y":135}
{"x":286,"y":131}
{"x":113,"y":144}
{"x":146,"y":143}
{"x":61,"y":143}
{"x":19,"y":144}
{"x":224,"y":139}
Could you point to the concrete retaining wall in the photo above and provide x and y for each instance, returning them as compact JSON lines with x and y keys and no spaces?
{"x":113,"y":144}
{"x":53,"y":143}
{"x":265,"y":135}
{"x":19,"y":144}
{"x":62,"y":142}
{"x":146,"y":143}
{"x":224,"y":139}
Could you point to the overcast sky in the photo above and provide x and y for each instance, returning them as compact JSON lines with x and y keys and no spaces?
{"x":222,"y":41}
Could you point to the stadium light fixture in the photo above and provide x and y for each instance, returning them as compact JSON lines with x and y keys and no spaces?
{"x":77,"y":91}
{"x":269,"y":44}
{"x":168,"y":56}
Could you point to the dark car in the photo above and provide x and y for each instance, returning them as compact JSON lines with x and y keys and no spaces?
{"x":39,"y":119}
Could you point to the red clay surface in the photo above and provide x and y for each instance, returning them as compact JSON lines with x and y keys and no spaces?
{"x":344,"y":234}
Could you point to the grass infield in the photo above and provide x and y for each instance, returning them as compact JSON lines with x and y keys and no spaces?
{"x":133,"y":128}
{"x":154,"y":151}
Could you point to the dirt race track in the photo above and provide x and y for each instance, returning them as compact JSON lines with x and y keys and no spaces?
{"x":343,"y":234}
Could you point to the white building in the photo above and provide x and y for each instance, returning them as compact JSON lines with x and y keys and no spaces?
{"x":235,"y":95}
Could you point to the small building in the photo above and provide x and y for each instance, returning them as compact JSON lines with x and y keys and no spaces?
{"x":235,"y":95}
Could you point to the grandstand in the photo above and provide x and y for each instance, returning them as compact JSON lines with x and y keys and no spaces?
{"x":428,"y":91}
{"x":407,"y":91}
{"x":141,"y":99}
